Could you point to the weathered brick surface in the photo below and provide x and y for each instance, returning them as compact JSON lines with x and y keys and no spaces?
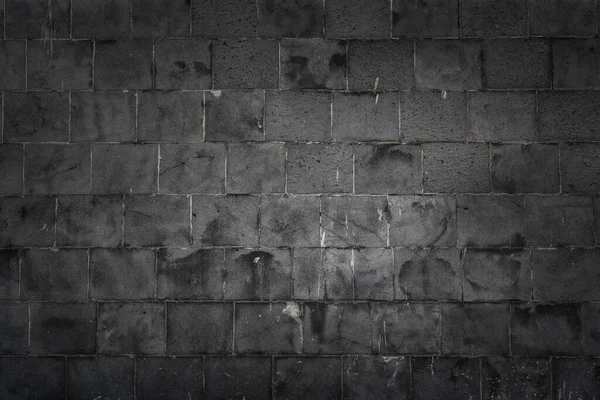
{"x":580,"y":167}
{"x":318,"y":168}
{"x":59,"y":65}
{"x":235,"y":115}
{"x":294,"y":18}
{"x":289,"y":220}
{"x":490,"y":18}
{"x":431,"y":18}
{"x":520,"y":378}
{"x":183,"y":64}
{"x":164,"y":377}
{"x":36,"y":19}
{"x":36,"y":117}
{"x":11,"y":169}
{"x":312,"y":64}
{"x":376,"y":377}
{"x":9,"y":274}
{"x":576,"y":64}
{"x":381,"y":64}
{"x":300,"y":377}
{"x":245,"y":63}
{"x":562,"y":18}
{"x":256,"y":168}
{"x":89,"y":378}
{"x":357,"y":19}
{"x":125,"y":168}
{"x":568,"y":116}
{"x":89,"y":221}
{"x":160,"y":18}
{"x":368,"y":117}
{"x":123,"y":65}
{"x":445,"y":378}
{"x":238,"y":377}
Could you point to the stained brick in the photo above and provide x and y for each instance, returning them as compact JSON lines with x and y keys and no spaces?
{"x":365,"y":117}
{"x":376,"y":377}
{"x":307,"y":378}
{"x":313,"y":64}
{"x":14,"y":320}
{"x":357,"y":19}
{"x":515,"y":378}
{"x":160,"y":18}
{"x":580,"y":167}
{"x":256,"y":168}
{"x":428,"y":18}
{"x":289,"y":221}
{"x":456,"y":167}
{"x":493,"y":18}
{"x":576,"y":63}
{"x":385,"y":64}
{"x":238,"y":377}
{"x":91,"y":378}
{"x":12,"y":65}
{"x":374,"y":274}
{"x":562,"y":17}
{"x":568,"y":115}
{"x":295,"y":115}
{"x":338,"y":274}
{"x":590,"y":321}
{"x":37,"y":19}
{"x":88,"y":21}
{"x":11,"y":169}
{"x":235,"y":115}
{"x":32,"y":377}
{"x":59,"y":64}
{"x":449,"y":64}
{"x":290,"y":18}
{"x":224,"y":18}
{"x":9,"y":274}
{"x":318,"y":168}
{"x":169,"y":377}
{"x":198,"y":328}
{"x":123,"y":64}
{"x":124,"y":168}
{"x":183,"y":64}
{"x":445,"y":378}
{"x":27,"y":221}
{"x":36,"y":117}
{"x":245,"y":64}
{"x":575,"y":377}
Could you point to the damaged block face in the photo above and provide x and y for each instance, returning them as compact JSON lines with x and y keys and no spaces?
{"x":384,"y":169}
{"x":429,"y":18}
{"x":289,"y":221}
{"x":238,"y":377}
{"x":235,"y":115}
{"x":27,"y":221}
{"x":110,"y":377}
{"x":36,"y":117}
{"x":365,"y":117}
{"x":313,"y":64}
{"x":580,"y":167}
{"x":475,"y":329}
{"x":445,"y":378}
{"x":290,"y":18}
{"x":496,"y":274}
{"x":354,"y":221}
{"x":190,"y":274}
{"x":183,"y":64}
{"x":381,"y":64}
{"x":308,"y":378}
{"x":577,"y":377}
{"x":374,"y":274}
{"x":164,"y":377}
{"x":11,"y":169}
{"x":9,"y":274}
{"x":422,"y":221}
{"x":308,"y":274}
{"x":59,"y":65}
{"x":337,"y":328}
{"x":410,"y":328}
{"x":376,"y":377}
{"x":357,"y":19}
{"x":338,"y":274}
{"x":131,"y":328}
{"x":124,"y":168}
{"x":319,"y":168}
{"x":258,"y":274}
{"x":516,"y":378}
{"x":256,"y":168}
{"x":245,"y":63}
{"x":268,"y":328}
{"x":225,"y":220}
{"x":428,"y":274}
{"x":223,"y":18}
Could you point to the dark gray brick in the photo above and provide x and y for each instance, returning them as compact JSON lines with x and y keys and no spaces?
{"x":307,"y":378}
{"x":365,"y":117}
{"x":530,"y":168}
{"x":290,"y":18}
{"x":234,"y":115}
{"x":245,"y":64}
{"x":268,"y":328}
{"x":545,"y":329}
{"x":422,"y":221}
{"x":576,"y":63}
{"x":190,"y":274}
{"x":354,"y":221}
{"x":313,"y":64}
{"x":449,"y":64}
{"x":338,"y":274}
{"x":196,"y":328}
{"x":238,"y":377}
{"x":89,"y":221}
{"x":562,"y":17}
{"x":109,"y":378}
{"x":9,"y":274}
{"x":289,"y":221}
{"x":124,"y":168}
{"x":12,"y":65}
{"x":157,"y":221}
{"x":575,"y":377}
{"x":33,"y":19}
{"x":433,"y":116}
{"x":456,"y":167}
{"x":59,"y":64}
{"x":160,"y":18}
{"x":590,"y":321}
{"x":382,"y":64}
{"x":54,"y":274}
{"x":445,"y":378}
{"x":57,"y":168}
{"x":425,"y":18}
{"x":386,"y":168}
{"x":131,"y":328}
{"x":183,"y":64}
{"x":376,"y":378}
{"x":374,"y":274}
{"x":493,"y":18}
{"x":59,"y":328}
{"x":103,"y":116}
{"x":252,"y":274}
{"x":256,"y":168}
{"x":122,"y":274}
{"x":32,"y":378}
{"x":517,"y":63}
{"x":14,"y":320}
{"x":428,"y":274}
{"x":192,"y":168}
{"x":295,"y":115}
{"x":123,"y":64}
{"x":11,"y":169}
{"x":27,"y":221}
{"x":337,"y":328}
{"x":357,"y":19}
{"x":566,"y":275}
{"x":317,"y":168}
{"x":497,"y":274}
{"x":556,"y":221}
{"x":411,"y":328}
{"x":515,"y":378}
{"x":169,"y":378}
{"x":106,"y":19}
{"x":170,"y":117}
{"x":580,"y":167}
{"x":36,"y":117}
{"x":597,"y":218}
{"x":308,"y":274}
{"x":492,"y":221}
{"x":225,"y":220}
{"x":502,"y":116}
{"x":475,"y":328}
{"x":224,"y":18}
{"x":569,"y":115}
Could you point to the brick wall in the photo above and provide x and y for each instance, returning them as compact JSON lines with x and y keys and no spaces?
{"x":300,"y":199}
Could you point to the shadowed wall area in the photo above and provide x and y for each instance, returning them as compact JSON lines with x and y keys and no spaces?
{"x":300,"y":199}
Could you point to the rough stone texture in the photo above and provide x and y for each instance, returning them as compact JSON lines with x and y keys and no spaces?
{"x":376,"y":377}
{"x":580,"y":167}
{"x":445,"y":378}
{"x":164,"y":377}
{"x":123,"y":65}
{"x":493,"y":18}
{"x":100,"y":20}
{"x":562,"y":17}
{"x":27,"y":221}
{"x":318,"y":168}
{"x":235,"y":116}
{"x":367,"y":117}
{"x":300,"y":377}
{"x":238,"y":377}
{"x":11,"y":169}
{"x":568,"y":116}
{"x":9,"y":274}
{"x":33,"y":377}
{"x":223,"y":19}
{"x":183,"y":64}
{"x":576,"y":64}
{"x":357,"y":19}
{"x":36,"y":117}
{"x":290,"y":18}
{"x":428,"y":18}
{"x":59,"y":65}
{"x":577,"y":377}
{"x":381,"y":65}
{"x":517,"y":378}
{"x":373,"y":274}
{"x":312,"y":64}
{"x":289,"y":220}
{"x":246,"y":63}
{"x":126,"y":168}
{"x":90,"y":378}
{"x":256,"y":168}
{"x":160,"y":18}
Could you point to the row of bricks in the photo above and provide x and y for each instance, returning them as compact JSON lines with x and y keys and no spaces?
{"x":346,"y":377}
{"x":305,"y":18}
{"x":253,"y":168}
{"x":300,"y":221}
{"x":302,"y":274}
{"x":445,"y":64}
{"x":292,"y":328}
